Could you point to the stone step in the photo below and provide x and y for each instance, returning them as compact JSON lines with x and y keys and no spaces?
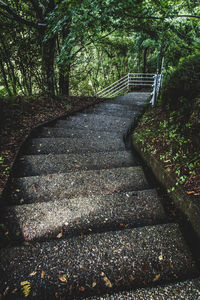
{"x":189,"y":289}
{"x":130,"y":115}
{"x":97,"y":264}
{"x":131,"y":98}
{"x":80,"y":183}
{"x":109,"y":111}
{"x":113,"y":105}
{"x":48,"y":220}
{"x":94,"y":121}
{"x":33,"y":165}
{"x":72,"y":145}
{"x":76,"y":133}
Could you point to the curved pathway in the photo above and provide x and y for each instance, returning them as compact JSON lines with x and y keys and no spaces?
{"x":83,"y":221}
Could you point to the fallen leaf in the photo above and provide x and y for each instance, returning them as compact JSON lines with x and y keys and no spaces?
{"x":131,"y":277}
{"x":32,"y":274}
{"x":63,"y":278}
{"x":190,"y":192}
{"x":59,"y":235}
{"x":160,"y":257}
{"x":6,"y":291}
{"x":26,"y":243}
{"x":42,"y":274}
{"x":107,"y":282}
{"x":156,"y":277}
{"x":26,"y":288}
{"x":14,"y":291}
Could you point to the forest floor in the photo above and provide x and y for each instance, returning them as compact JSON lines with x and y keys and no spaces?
{"x":19,"y":115}
{"x":173,"y":138}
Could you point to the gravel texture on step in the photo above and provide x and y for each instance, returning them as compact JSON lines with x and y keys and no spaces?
{"x":128,"y":115}
{"x":97,"y":263}
{"x":131,"y":98}
{"x":72,"y":145}
{"x":33,"y":165}
{"x":125,"y":113}
{"x":94,"y":121}
{"x":76,"y":133}
{"x":112,"y":105}
{"x":47,"y":220}
{"x":81,"y":183}
{"x":186,"y":290}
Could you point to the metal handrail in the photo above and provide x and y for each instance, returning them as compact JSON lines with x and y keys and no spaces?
{"x":111,"y":87}
{"x":112,"y":84}
{"x":134,"y":79}
{"x":120,"y":88}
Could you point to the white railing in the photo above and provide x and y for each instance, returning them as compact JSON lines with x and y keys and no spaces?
{"x":132,"y":80}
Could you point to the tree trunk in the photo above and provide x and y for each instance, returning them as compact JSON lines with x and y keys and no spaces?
{"x":64,"y":81}
{"x":64,"y":71}
{"x":5,"y":79}
{"x":145,"y":60}
{"x":48,"y":51}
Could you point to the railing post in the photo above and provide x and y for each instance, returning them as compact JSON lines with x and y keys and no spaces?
{"x":128,"y":82}
{"x":153,"y":100}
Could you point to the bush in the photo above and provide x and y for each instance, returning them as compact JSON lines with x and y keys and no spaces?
{"x":183,"y":84}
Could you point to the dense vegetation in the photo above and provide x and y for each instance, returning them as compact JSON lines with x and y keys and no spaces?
{"x":73,"y":46}
{"x":171,"y":130}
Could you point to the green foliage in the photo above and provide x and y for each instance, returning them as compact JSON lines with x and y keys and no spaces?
{"x":183,"y":84}
{"x":89,"y":44}
{"x":6,"y":171}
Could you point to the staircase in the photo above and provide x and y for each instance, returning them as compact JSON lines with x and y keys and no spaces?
{"x":83,"y":222}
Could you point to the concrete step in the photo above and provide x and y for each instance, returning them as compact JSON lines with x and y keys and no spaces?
{"x":189,"y":289}
{"x":112,"y":104}
{"x":76,"y":133}
{"x":97,"y":264}
{"x":48,"y":220}
{"x":131,"y":98}
{"x":81,"y":183}
{"x":33,"y":165}
{"x":94,"y":121}
{"x":112,"y":111}
{"x":72,"y":145}
{"x":130,"y":115}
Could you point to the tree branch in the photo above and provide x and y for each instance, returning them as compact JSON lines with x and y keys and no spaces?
{"x":161,"y":18}
{"x":17,"y":17}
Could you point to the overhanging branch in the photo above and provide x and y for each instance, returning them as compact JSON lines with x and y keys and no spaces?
{"x":17,"y":17}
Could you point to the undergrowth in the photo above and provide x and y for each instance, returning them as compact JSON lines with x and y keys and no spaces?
{"x":173,"y":137}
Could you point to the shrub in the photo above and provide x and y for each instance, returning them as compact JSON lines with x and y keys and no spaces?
{"x":183,"y":84}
